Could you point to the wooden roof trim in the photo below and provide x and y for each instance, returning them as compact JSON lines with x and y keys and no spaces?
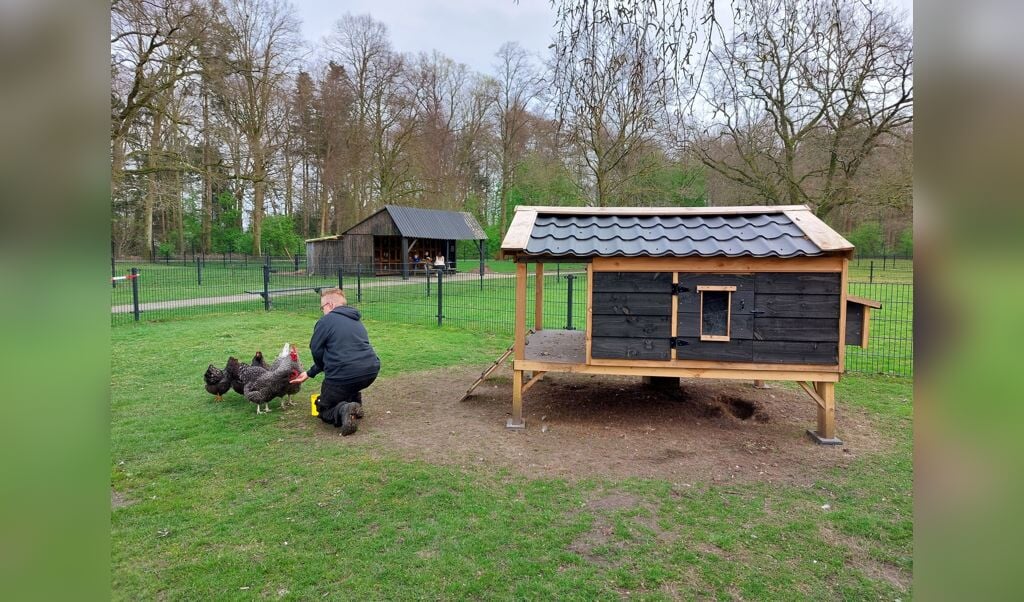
{"x":818,"y":231}
{"x":737,"y":210}
{"x":864,"y":301}
{"x":519,"y":230}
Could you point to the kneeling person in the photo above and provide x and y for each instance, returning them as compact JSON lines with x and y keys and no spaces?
{"x":342,"y":351}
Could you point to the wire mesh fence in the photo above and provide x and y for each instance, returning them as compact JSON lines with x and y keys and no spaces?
{"x":466,"y":299}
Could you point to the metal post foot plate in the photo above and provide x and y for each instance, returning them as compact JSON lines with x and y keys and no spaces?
{"x":515,"y":425}
{"x":822,"y":440}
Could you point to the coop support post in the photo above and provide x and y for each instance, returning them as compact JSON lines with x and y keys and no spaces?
{"x":824,"y":395}
{"x":538,"y":309}
{"x":519,"y":351}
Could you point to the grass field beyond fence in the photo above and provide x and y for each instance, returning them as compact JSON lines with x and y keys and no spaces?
{"x":212,"y":502}
{"x":171,"y":291}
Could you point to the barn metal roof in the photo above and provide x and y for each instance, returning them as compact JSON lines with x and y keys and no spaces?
{"x":431,"y":223}
{"x":784,"y":231}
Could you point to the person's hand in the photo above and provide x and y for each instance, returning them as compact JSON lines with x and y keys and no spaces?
{"x":299,"y":379}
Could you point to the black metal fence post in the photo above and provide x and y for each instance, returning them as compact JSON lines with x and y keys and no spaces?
{"x":359,"y":282}
{"x":266,"y":284}
{"x":341,"y":280}
{"x":482,"y":263}
{"x":296,"y":263}
{"x":135,"y":293}
{"x":568,"y":302}
{"x":871,"y":273}
{"x":440,"y":297}
{"x":113,"y":272}
{"x":199,"y":272}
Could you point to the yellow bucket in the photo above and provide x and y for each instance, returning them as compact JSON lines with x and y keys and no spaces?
{"x":312,"y":404}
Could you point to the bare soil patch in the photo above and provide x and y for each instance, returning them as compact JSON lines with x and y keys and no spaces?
{"x":858,"y":556}
{"x":581,"y":426}
{"x":119,"y":500}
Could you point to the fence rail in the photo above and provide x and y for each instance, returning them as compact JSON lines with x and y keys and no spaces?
{"x":464,"y":299}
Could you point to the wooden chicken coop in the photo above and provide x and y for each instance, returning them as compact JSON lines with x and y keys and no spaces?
{"x":750,"y":293}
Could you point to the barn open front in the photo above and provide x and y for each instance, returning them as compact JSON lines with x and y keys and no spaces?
{"x":744,"y":293}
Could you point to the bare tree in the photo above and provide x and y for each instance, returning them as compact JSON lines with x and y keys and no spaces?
{"x":517,"y":86}
{"x":614,"y":108}
{"x":151,"y":51}
{"x":802,"y":95}
{"x":259,"y":39}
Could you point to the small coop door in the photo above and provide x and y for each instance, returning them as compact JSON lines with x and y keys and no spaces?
{"x":715,"y":320}
{"x":632,"y":315}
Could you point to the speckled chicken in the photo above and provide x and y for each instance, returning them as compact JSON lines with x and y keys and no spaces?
{"x":261,"y":386}
{"x":291,"y":389}
{"x":234,"y":370}
{"x":217,"y":381}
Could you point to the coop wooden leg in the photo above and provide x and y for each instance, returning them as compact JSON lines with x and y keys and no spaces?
{"x":826,"y":433}
{"x":516,"y":422}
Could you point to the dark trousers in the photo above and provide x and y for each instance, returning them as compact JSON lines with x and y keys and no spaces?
{"x":333,"y":396}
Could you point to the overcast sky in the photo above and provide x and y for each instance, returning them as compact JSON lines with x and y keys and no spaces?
{"x":468,"y":31}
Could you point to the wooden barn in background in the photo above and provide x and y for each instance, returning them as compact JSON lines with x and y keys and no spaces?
{"x":752,"y":293}
{"x":385,"y":242}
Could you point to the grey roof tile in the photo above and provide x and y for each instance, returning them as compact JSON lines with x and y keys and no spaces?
{"x":431,"y":223}
{"x":758,"y":235}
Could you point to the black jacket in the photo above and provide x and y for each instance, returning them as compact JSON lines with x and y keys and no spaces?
{"x":341,"y":348}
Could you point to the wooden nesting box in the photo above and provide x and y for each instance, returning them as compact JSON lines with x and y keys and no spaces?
{"x":754,"y":293}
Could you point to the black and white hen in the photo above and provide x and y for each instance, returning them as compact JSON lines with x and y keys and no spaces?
{"x":217,"y":381}
{"x":263,"y":385}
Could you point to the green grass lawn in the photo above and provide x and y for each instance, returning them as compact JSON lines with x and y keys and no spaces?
{"x":223,"y":504}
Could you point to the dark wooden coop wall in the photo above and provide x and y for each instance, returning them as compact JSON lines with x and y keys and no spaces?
{"x":776,"y":317}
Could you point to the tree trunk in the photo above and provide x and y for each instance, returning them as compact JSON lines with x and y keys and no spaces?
{"x":151,"y":191}
{"x":207,"y":236}
{"x":324,"y":206}
{"x":179,"y":211}
{"x":259,"y":188}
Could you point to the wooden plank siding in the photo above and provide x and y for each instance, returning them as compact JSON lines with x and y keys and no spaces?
{"x":788,"y":318}
{"x":854,"y":323}
{"x":631,"y":315}
{"x":796,"y":318}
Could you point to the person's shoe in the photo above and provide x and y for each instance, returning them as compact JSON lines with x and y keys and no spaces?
{"x":348,"y":418}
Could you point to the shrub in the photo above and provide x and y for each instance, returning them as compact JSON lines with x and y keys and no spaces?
{"x":867,"y":237}
{"x":905,"y":243}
